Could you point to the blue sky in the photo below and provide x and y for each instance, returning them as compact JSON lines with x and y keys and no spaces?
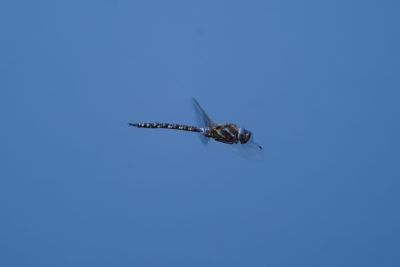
{"x":316,"y":81}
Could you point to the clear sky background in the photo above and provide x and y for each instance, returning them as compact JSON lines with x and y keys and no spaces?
{"x":316,"y":81}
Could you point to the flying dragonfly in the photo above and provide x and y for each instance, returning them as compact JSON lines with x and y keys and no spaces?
{"x":228,"y":133}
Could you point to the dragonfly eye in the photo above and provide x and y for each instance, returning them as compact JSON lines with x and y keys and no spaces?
{"x":244,"y":135}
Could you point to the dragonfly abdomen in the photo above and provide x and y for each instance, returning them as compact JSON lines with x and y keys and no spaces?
{"x":173,"y":126}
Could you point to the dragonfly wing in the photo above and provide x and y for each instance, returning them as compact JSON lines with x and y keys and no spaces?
{"x":201,"y":115}
{"x":250,"y":150}
{"x":204,"y":139}
{"x":203,"y":119}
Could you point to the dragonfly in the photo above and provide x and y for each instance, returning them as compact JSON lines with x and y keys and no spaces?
{"x":228,"y":133}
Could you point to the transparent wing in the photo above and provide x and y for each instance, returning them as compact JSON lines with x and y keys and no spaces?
{"x":202,"y":118}
{"x":250,"y":150}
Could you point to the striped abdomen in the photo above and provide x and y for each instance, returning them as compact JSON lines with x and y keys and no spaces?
{"x":173,"y":126}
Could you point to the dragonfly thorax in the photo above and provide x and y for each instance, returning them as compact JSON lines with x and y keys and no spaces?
{"x":227,"y":133}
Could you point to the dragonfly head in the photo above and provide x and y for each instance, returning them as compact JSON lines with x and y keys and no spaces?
{"x":244,"y":135}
